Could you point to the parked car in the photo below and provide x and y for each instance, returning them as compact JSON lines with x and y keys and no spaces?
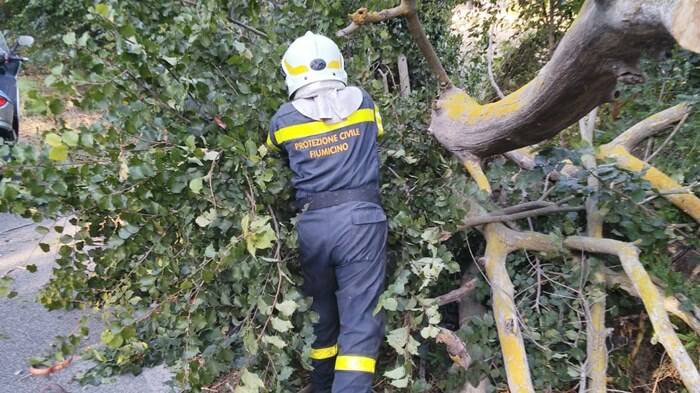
{"x":10,"y":64}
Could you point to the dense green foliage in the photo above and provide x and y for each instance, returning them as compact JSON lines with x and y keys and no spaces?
{"x":185,"y":239}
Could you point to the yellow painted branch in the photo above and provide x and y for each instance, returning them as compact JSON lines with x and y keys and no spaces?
{"x":686,"y":201}
{"x":596,"y":333}
{"x":652,"y":299}
{"x":597,"y":351}
{"x":504,"y":311}
{"x":671,"y":303}
{"x":473,"y":166}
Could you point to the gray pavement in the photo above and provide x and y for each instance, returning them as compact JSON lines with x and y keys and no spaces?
{"x":27,"y":329}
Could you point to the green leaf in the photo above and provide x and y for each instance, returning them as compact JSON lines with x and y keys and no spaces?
{"x":102,"y":10}
{"x":390,"y":304}
{"x":251,"y":383}
{"x":398,"y":339}
{"x":5,"y":286}
{"x":69,"y":38}
{"x":206,"y":218}
{"x":58,"y":153}
{"x":281,"y":325}
{"x":71,"y":138}
{"x":31,"y":268}
{"x":44,"y":247}
{"x":397,"y":373}
{"x":429,"y":332}
{"x":274,"y":340}
{"x":286,"y":307}
{"x":52,"y":139}
{"x":196,"y":185}
{"x":56,"y":106}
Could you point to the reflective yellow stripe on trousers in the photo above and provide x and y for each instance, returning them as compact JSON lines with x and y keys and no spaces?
{"x":355,"y":363}
{"x":324,"y":353}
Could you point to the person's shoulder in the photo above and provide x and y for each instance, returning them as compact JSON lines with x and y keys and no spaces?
{"x":367,"y":101}
{"x":284,"y":112}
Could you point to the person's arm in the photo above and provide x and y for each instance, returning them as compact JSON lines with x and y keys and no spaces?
{"x":270,"y":142}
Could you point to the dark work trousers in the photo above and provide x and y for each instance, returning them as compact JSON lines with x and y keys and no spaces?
{"x":343,"y":257}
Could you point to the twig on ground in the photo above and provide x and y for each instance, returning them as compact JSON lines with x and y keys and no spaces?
{"x":58,"y":366}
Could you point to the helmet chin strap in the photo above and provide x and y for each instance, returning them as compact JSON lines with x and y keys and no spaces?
{"x":329,"y":101}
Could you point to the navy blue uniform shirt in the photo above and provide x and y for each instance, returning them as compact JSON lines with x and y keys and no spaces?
{"x":329,"y":156}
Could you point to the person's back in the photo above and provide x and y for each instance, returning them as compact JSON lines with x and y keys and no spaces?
{"x":329,"y":133}
{"x":327,"y":156}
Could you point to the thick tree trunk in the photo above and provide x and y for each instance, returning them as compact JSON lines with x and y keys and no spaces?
{"x":602,"y":46}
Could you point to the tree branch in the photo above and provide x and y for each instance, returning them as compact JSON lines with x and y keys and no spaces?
{"x":687,"y":202}
{"x":668,"y":139}
{"x":489,"y":63}
{"x":363,"y":16}
{"x":456,"y":295}
{"x":601,"y":48}
{"x":455,"y":347}
{"x":407,"y":9}
{"x":652,"y":299}
{"x":671,"y":303}
{"x":650,"y":126}
{"x":596,"y":350}
{"x":471,"y":222}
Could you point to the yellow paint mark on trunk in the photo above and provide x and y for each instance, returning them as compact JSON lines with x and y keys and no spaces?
{"x":461,"y":107}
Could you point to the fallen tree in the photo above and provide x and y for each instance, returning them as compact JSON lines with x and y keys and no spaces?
{"x":185,"y":242}
{"x":602,"y":47}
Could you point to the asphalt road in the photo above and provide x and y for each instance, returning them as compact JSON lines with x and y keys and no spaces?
{"x":27,"y":329}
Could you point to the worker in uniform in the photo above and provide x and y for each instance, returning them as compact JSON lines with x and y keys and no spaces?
{"x":328,"y":131}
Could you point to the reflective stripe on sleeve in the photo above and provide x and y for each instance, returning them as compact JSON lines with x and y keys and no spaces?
{"x":271,"y":144}
{"x":324,"y":353}
{"x":355,"y":363}
{"x":319,"y":127}
{"x":380,"y":124}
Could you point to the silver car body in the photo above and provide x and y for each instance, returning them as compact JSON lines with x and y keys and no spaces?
{"x":8,"y":90}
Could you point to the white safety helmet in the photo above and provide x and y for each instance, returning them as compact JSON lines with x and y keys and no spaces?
{"x":312,"y":58}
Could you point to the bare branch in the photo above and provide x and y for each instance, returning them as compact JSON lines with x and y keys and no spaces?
{"x":663,"y":183}
{"x":473,"y":166}
{"x":407,"y":9}
{"x":652,"y":299}
{"x":455,"y":347}
{"x":523,"y":157}
{"x":363,"y":16}
{"x":671,"y":303}
{"x":651,"y":126}
{"x":456,"y":294}
{"x":489,"y":62}
{"x":668,"y":139}
{"x":517,"y":216}
{"x":523,"y":207}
